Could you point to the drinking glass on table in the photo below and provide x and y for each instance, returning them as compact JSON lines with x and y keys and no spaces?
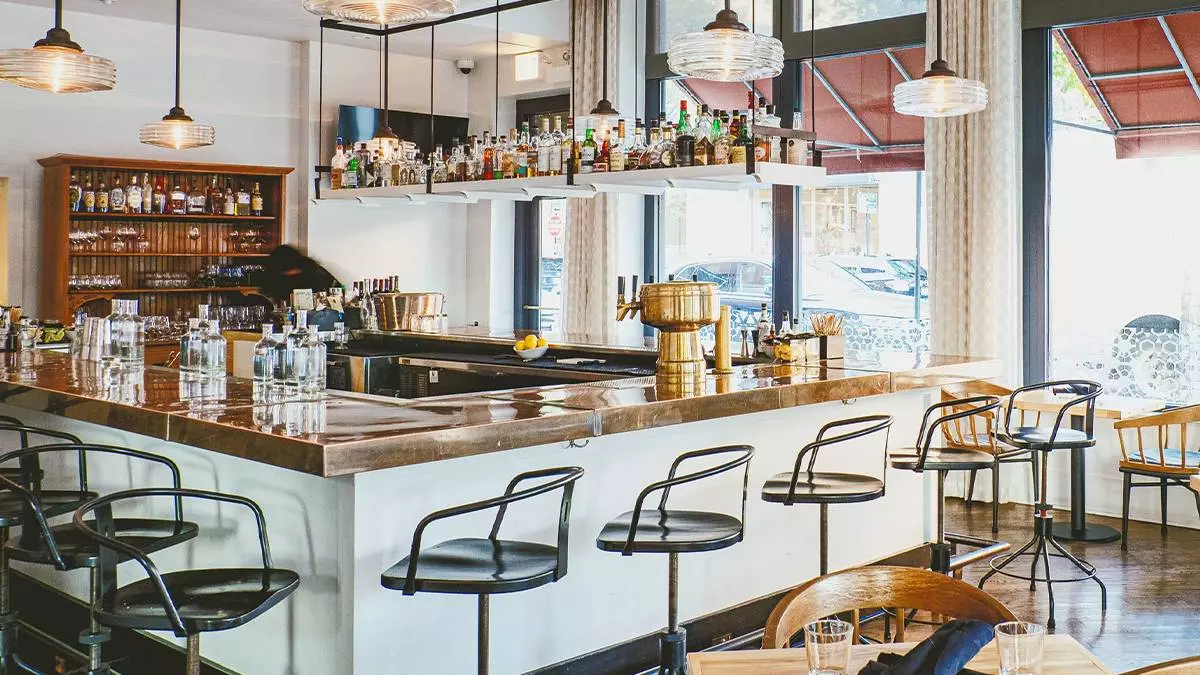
{"x":1020,"y":644}
{"x":828,"y":645}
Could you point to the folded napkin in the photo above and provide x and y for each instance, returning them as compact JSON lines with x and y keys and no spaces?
{"x":943,"y":653}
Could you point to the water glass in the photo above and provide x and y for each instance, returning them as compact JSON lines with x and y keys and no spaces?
{"x":828,"y":645}
{"x":1020,"y":644}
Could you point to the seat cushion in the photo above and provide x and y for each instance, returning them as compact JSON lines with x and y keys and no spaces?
{"x":823,"y":488}
{"x":942,"y":459}
{"x":1039,"y":437}
{"x":671,"y":531}
{"x":54,"y":503}
{"x":1174,"y":461}
{"x":146,"y":535}
{"x":208,"y":599}
{"x":478,"y":566}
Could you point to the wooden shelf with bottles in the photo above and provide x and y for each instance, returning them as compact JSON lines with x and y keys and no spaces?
{"x":139,"y":247}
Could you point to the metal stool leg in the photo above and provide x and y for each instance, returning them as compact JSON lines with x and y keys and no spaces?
{"x":939,"y":551}
{"x":673,"y":655}
{"x":484,"y":623}
{"x":94,"y":637}
{"x":193,"y":654}
{"x":824,"y":539}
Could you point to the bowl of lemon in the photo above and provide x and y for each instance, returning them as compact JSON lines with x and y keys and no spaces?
{"x":531,"y":347}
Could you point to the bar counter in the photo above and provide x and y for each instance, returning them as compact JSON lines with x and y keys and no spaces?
{"x":349,"y":433}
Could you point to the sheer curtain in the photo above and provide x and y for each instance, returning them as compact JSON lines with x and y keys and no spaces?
{"x":973,"y":165}
{"x":590,"y":242}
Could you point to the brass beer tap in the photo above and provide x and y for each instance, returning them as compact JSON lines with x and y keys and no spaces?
{"x":627,"y":309}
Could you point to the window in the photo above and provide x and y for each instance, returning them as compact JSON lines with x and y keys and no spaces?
{"x":676,"y":17}
{"x":552,"y":221}
{"x":1124,"y":290}
{"x":843,"y":12}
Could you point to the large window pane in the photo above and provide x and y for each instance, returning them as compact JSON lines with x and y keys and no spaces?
{"x":845,"y":12}
{"x":676,"y":17}
{"x":552,"y":221}
{"x":1124,"y":280}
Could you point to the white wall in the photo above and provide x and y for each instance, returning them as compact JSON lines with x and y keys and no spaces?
{"x":248,"y":88}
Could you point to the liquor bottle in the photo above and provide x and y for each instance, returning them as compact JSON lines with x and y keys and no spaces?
{"x":102,"y":196}
{"x":617,"y":154}
{"x":666,"y":153}
{"x":532,"y":151}
{"x":764,"y":328}
{"x":567,"y":146}
{"x":197,"y":201}
{"x":75,"y":193}
{"x":256,"y":201}
{"x":437,"y":166}
{"x":179,"y":200}
{"x":587,"y":152}
{"x":133,"y":195}
{"x":474,"y":162}
{"x":337,"y":165}
{"x":557,"y":138}
{"x":457,"y":168}
{"x":650,"y":158}
{"x":243,"y":199}
{"x":703,"y":135}
{"x":216,"y":198}
{"x":602,"y":149}
{"x":743,"y":148}
{"x":521,"y":153}
{"x":762,"y":142}
{"x":350,"y":175}
{"x":546,"y":148}
{"x":633,"y":156}
{"x":155,"y":195}
{"x":364,"y":164}
{"x":228,"y":199}
{"x":89,"y":196}
{"x":264,"y":354}
{"x":508,"y":155}
{"x":685,"y":142}
{"x":489,"y":157}
{"x":722,"y":142}
{"x":116,"y":199}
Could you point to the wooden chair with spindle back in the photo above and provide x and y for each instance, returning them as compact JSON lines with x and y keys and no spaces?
{"x":879,"y":587}
{"x":1168,"y":460}
{"x":1189,"y":665}
{"x":978,"y":432}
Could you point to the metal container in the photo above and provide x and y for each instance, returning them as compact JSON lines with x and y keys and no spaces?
{"x":405,"y":311}
{"x":679,"y":309}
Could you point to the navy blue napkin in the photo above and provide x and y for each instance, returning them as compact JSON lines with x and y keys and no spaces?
{"x":943,"y":653}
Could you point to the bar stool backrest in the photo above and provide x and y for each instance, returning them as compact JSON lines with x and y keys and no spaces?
{"x":102,"y":529}
{"x":1085,"y":393}
{"x":882,"y":587}
{"x":1166,"y":453}
{"x":959,"y":410}
{"x":563,"y":478}
{"x":30,"y":469}
{"x":41,"y":535}
{"x":977,"y":432}
{"x":741,"y":458}
{"x":860,"y":427}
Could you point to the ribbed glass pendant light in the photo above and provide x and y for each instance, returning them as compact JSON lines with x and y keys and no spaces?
{"x":940,"y":92}
{"x":177,"y":131}
{"x":57,"y":63}
{"x":725,"y":51}
{"x":382,"y":12}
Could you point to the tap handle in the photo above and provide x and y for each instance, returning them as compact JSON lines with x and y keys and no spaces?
{"x":633,"y":288}
{"x":621,"y":285}
{"x":649,"y":278}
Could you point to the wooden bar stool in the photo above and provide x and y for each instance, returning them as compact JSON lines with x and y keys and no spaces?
{"x":925,"y":457}
{"x":804,"y":485}
{"x":675,"y":531}
{"x":484,"y":566}
{"x":188,"y":602}
{"x":1084,"y":394}
{"x":64,"y":546}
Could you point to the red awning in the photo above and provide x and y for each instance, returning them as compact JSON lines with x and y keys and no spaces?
{"x":855,"y":123}
{"x":1136,"y":72}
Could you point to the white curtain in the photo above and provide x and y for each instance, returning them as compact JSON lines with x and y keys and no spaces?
{"x":591,"y":251}
{"x":973,"y":167}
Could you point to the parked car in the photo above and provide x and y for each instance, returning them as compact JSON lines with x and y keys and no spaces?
{"x":883,"y":273}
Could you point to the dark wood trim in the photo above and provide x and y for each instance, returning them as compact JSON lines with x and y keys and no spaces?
{"x":1037,"y":130}
{"x":158,"y":165}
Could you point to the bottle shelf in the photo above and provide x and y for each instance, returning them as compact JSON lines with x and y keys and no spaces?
{"x":641,"y":181}
{"x":209,"y":217}
{"x":108,"y":292}
{"x":143,"y":254}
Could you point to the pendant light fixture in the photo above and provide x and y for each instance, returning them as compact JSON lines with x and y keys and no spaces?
{"x":384,"y":131}
{"x":725,"y":51}
{"x":382,"y":12}
{"x":57,"y":63}
{"x":604,"y":112}
{"x":177,"y":131}
{"x":940,"y":92}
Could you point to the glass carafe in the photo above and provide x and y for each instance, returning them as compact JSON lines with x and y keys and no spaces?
{"x":127,"y":334}
{"x":281,"y":364}
{"x":297,"y":373}
{"x":212,"y":351}
{"x":189,"y":345}
{"x":313,"y":382}
{"x":264,"y":355}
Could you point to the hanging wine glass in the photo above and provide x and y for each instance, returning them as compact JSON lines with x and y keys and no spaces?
{"x":142,"y":243}
{"x":193,"y":233}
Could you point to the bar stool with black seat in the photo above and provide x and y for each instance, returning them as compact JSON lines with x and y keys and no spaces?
{"x":65,"y":547}
{"x":187,"y":602}
{"x":924,"y":457}
{"x":804,"y":485}
{"x":1084,"y":394}
{"x":675,"y":531}
{"x":485,"y":566}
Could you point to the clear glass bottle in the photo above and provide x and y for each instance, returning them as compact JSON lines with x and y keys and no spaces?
{"x":189,"y":345}
{"x":438,"y":166}
{"x":127,"y":334}
{"x":556,"y":155}
{"x":313,"y":381}
{"x":337,"y":165}
{"x":133,"y":195}
{"x":213,"y":351}
{"x":297,"y":356}
{"x":264,"y":355}
{"x":282,"y":362}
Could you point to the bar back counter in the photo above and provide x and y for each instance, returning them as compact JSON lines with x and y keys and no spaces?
{"x":344,"y":481}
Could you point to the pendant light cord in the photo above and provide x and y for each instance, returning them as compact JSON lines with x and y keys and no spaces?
{"x":58,"y":14}
{"x":496,"y":69}
{"x":812,"y":68}
{"x":387,"y":79}
{"x":939,"y":30}
{"x":605,"y":83}
{"x":178,"y":42}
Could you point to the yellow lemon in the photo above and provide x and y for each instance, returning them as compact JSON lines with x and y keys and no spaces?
{"x":530,"y":341}
{"x":519,"y":345}
{"x":543,"y":342}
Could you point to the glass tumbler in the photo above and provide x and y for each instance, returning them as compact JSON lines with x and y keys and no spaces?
{"x":1020,"y":644}
{"x":828,"y":645}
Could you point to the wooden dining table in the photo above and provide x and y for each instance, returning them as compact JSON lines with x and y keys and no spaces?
{"x":1063,"y":655}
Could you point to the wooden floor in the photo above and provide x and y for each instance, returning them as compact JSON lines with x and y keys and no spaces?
{"x":1153,"y":589}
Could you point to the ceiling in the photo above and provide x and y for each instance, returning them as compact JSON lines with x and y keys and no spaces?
{"x":526,"y":29}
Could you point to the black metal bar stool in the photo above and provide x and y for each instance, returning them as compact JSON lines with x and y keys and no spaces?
{"x":490,"y":565}
{"x":1084,"y":393}
{"x":924,"y":457}
{"x":804,"y":485}
{"x":674,"y":531}
{"x":188,"y":602}
{"x":66,"y":548}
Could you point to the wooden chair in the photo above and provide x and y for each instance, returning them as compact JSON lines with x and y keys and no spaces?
{"x":879,"y":586}
{"x":1189,"y":665}
{"x":978,"y":432}
{"x":1164,"y":457}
